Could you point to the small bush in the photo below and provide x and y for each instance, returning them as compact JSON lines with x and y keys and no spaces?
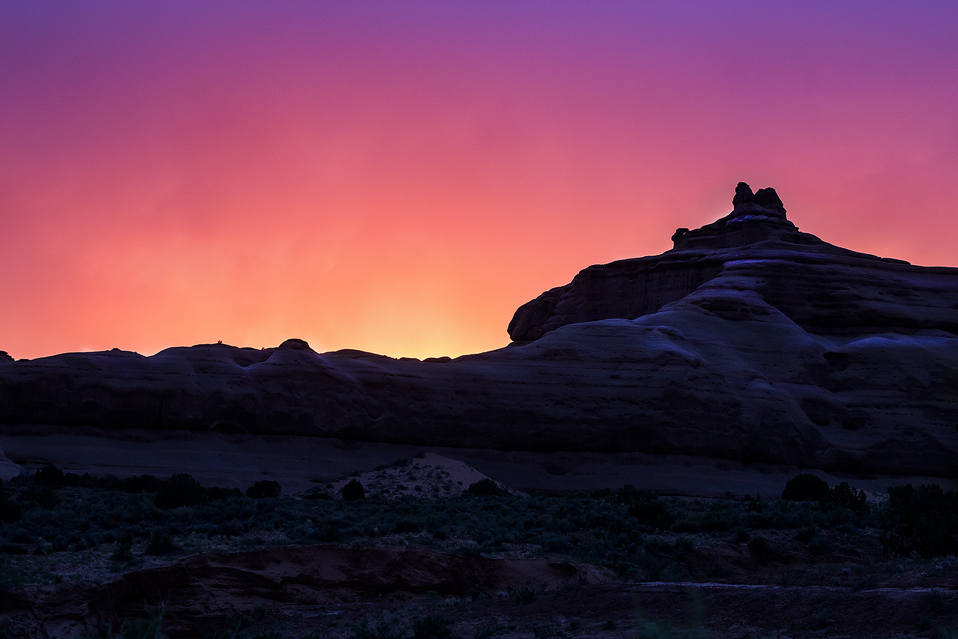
{"x":486,"y":488}
{"x":142,"y":484}
{"x":486,"y":631}
{"x":122,"y":551}
{"x":264,"y":489}
{"x":179,"y":490}
{"x":363,"y":630}
{"x":13,"y":549}
{"x":761,"y":549}
{"x":846,"y":497}
{"x":649,"y":510}
{"x":44,"y":496}
{"x":818,"y":546}
{"x":548,"y":631}
{"x":353,"y":491}
{"x":922,"y":520}
{"x":149,"y":628}
{"x":823,"y":618}
{"x":523,"y":594}
{"x":49,"y":476}
{"x":432,"y":627}
{"x":807,"y":487}
{"x":806,"y":534}
{"x":161,"y":543}
{"x":10,"y":511}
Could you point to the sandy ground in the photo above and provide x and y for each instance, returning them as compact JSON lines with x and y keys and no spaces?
{"x":301,"y":463}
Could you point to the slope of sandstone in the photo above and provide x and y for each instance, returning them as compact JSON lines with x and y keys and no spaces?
{"x":748,"y":341}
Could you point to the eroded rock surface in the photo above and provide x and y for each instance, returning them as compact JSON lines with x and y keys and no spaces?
{"x":748,"y":341}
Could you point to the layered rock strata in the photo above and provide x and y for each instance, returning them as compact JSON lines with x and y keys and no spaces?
{"x":749,"y":341}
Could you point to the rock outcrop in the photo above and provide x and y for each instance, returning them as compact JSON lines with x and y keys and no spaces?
{"x":822,"y":288}
{"x":749,"y":340}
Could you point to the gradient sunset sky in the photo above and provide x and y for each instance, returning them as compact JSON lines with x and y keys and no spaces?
{"x":398,"y":177}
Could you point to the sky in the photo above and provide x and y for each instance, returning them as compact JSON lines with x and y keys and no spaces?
{"x":400,"y":176}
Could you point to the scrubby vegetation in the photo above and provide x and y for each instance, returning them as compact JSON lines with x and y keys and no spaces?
{"x":637,"y":534}
{"x":807,"y":487}
{"x":631,"y":532}
{"x":921,"y":520}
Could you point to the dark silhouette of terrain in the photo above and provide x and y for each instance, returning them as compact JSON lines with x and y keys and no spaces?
{"x":749,"y":341}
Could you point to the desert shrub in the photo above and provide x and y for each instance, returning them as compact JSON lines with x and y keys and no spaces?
{"x":486,"y":631}
{"x":79,"y":481}
{"x":49,"y":476}
{"x":141,"y":484}
{"x":123,"y":551}
{"x":717,"y":521}
{"x":922,"y":520}
{"x":663,"y":629}
{"x":823,"y":618}
{"x":818,"y":546}
{"x":353,"y":491}
{"x":21,"y":536}
{"x":264,"y":489}
{"x":651,"y":511}
{"x":523,"y":594}
{"x":161,"y":543}
{"x":387,"y":628}
{"x":43,"y":496}
{"x":407,"y":526}
{"x":486,"y":488}
{"x":149,"y":628}
{"x":363,"y":630}
{"x":806,"y":534}
{"x":215,"y":493}
{"x":807,"y":487}
{"x":179,"y":490}
{"x":845,"y":496}
{"x":560,"y":545}
{"x":10,"y":511}
{"x":687,"y":525}
{"x":761,"y":549}
{"x":13,"y":549}
{"x":548,"y":631}
{"x":432,"y":627}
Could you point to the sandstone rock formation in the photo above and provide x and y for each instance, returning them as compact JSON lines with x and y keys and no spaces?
{"x":822,"y":288}
{"x":748,"y":341}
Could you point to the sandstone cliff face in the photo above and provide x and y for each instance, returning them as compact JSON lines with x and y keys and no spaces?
{"x":748,"y":341}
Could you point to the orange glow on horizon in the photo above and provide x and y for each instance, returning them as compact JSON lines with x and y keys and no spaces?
{"x":401,"y":180}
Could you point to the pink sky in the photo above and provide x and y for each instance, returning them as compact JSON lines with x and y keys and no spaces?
{"x":398,"y":177}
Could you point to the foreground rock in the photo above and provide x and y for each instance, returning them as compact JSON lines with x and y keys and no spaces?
{"x":749,"y":341}
{"x":291,"y":591}
{"x":202,"y":593}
